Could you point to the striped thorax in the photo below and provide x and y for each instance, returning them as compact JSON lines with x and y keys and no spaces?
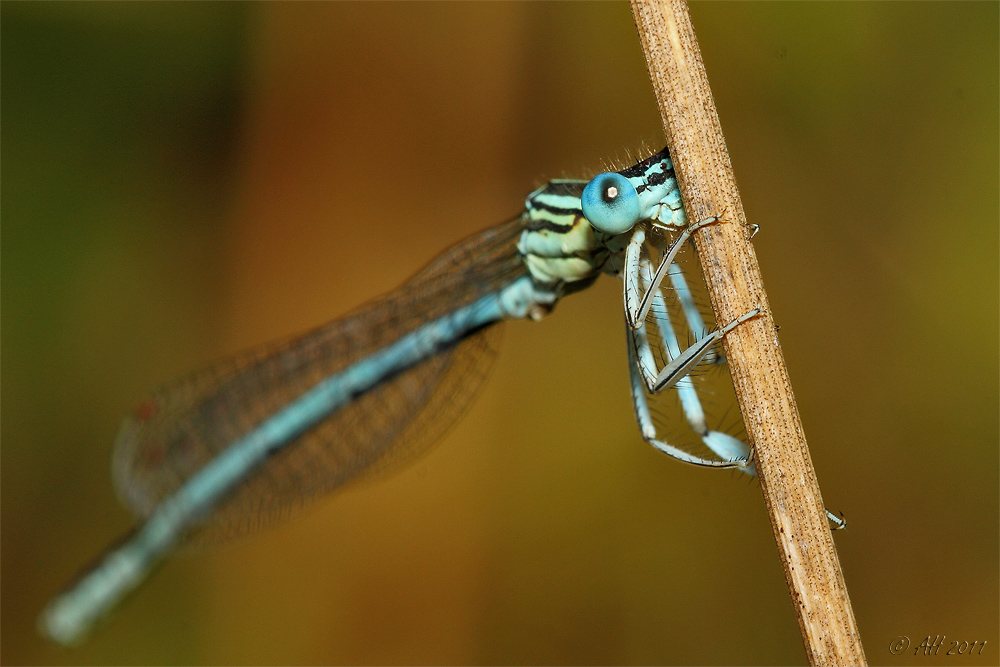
{"x":576,"y":229}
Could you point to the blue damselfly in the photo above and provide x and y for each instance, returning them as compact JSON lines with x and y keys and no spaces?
{"x":271,"y":428}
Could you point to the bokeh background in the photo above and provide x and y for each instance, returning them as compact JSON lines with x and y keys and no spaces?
{"x":181,"y":181}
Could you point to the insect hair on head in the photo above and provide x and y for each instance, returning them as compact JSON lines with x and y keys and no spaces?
{"x":628,"y":156}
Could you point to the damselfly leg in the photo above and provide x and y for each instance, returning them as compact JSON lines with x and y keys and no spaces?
{"x":731,"y":451}
{"x":680,"y":367}
{"x":636,"y":312}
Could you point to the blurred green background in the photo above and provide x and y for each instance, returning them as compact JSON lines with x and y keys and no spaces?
{"x":180,"y":181}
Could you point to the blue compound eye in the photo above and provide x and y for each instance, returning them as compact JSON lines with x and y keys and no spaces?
{"x":610,"y":203}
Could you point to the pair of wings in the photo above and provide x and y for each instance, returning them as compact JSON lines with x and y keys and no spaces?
{"x":180,"y":428}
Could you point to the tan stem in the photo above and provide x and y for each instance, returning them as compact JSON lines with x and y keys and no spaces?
{"x":787,"y":478}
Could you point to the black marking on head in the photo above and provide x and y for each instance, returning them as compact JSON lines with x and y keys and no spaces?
{"x":640,"y":168}
{"x":660,"y":177}
{"x":655,"y":179}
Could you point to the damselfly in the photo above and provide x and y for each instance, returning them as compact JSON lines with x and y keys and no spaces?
{"x":278,"y":425}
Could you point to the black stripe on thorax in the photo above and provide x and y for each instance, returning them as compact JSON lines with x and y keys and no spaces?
{"x":549,"y":226}
{"x":541,"y":206}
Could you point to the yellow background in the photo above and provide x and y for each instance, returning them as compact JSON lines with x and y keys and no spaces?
{"x":183,"y":181}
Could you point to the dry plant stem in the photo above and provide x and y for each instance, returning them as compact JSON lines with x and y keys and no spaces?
{"x":787,"y":478}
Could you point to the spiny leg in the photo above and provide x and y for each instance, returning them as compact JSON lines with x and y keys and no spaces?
{"x":724,"y":445}
{"x":645,"y":418}
{"x":685,"y":361}
{"x":634,"y":265}
{"x":680,"y":364}
{"x":630,"y":279}
{"x":693,"y":411}
{"x":636,"y":312}
{"x":691,"y":311}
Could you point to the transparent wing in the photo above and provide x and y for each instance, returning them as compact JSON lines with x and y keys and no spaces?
{"x":180,"y":428}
